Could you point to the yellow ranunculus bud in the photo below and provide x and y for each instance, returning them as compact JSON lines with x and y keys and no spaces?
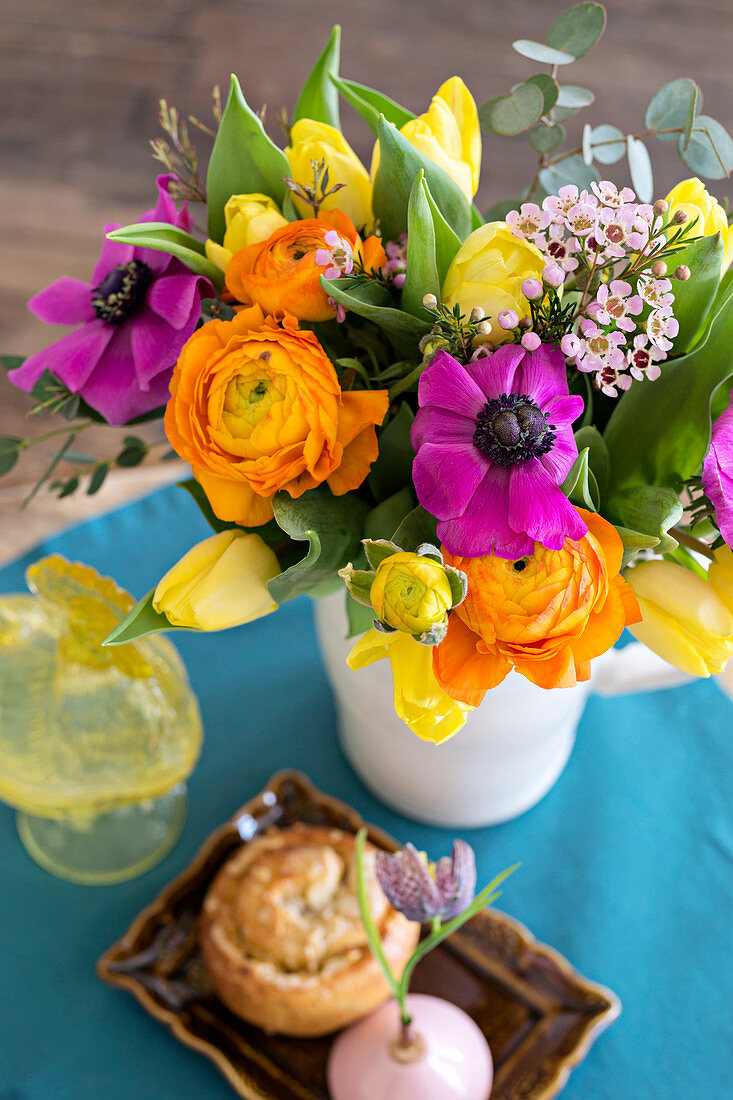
{"x":249,"y":220}
{"x":683,"y":619}
{"x":311,"y":141}
{"x":692,"y":197}
{"x":419,"y":700}
{"x":411,"y":592}
{"x":488,"y":271}
{"x":220,"y":582}
{"x":448,"y":134}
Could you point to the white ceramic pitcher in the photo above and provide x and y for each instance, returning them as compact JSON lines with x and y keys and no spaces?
{"x":508,"y":755}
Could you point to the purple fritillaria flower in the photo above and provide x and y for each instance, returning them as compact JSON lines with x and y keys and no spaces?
{"x":422,"y":895}
{"x":493,"y":444}
{"x":135,"y":316}
{"x":717,"y":472}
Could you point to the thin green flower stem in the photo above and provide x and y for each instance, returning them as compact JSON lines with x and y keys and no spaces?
{"x":691,"y":543}
{"x":370,"y":927}
{"x":76,"y":430}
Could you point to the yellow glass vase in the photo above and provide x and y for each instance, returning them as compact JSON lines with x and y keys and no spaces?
{"x":95,"y":743}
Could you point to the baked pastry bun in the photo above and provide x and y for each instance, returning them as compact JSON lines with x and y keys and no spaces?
{"x":282,"y":937}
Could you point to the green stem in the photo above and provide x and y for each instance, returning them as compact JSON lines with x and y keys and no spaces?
{"x":370,"y":927}
{"x":76,"y":430}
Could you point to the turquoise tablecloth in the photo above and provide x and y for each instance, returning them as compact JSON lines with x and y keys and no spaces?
{"x":626,"y":864}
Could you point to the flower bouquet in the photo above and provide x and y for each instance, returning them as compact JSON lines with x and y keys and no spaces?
{"x":508,"y":434}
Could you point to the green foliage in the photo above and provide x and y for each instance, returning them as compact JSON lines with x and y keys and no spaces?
{"x":710,"y":149}
{"x":360,"y":618}
{"x":570,"y":170}
{"x":389,"y":514}
{"x":98,"y":478}
{"x":319,"y":99}
{"x":659,"y":431}
{"x":393,"y":467}
{"x":674,"y":105}
{"x":598,"y":459}
{"x":370,"y":104}
{"x":243,"y":160}
{"x":163,"y":237}
{"x":498,"y":211}
{"x":578,"y":29}
{"x":141,"y":621}
{"x":332,"y":527}
{"x":548,"y":86}
{"x":12,"y":362}
{"x":195,"y":491}
{"x":649,"y":510}
{"x":694,"y":297}
{"x":372,"y":302}
{"x":416,"y":528}
{"x":431,"y":245}
{"x":640,"y":166}
{"x":580,"y":485}
{"x":538,"y":51}
{"x":9,"y":448}
{"x":512,"y":114}
{"x":545,"y":139}
{"x":399,"y":165}
{"x":606,"y":144}
{"x":574,"y":97}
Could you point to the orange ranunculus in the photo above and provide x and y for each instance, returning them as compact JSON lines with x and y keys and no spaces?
{"x":256,"y":406}
{"x":281,"y":272}
{"x":372,"y":254}
{"x":546,"y":615}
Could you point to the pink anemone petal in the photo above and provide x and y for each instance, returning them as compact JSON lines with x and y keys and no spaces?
{"x":65,"y":302}
{"x":113,"y":389}
{"x":446,"y":477}
{"x":112,"y":253}
{"x":175,"y":298}
{"x":539,"y":507}
{"x":564,"y":408}
{"x":716,"y":473}
{"x":154,"y":345}
{"x":445,"y":383}
{"x":562,"y":456}
{"x":72,"y":358}
{"x":495,"y":373}
{"x":165,"y":208}
{"x":432,"y":425}
{"x":543,"y":374}
{"x":483,"y":527}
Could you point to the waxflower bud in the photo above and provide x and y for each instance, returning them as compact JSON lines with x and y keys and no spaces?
{"x":532,"y":289}
{"x":525,"y":323}
{"x":531,"y":341}
{"x":682,"y":273}
{"x":411,"y":592}
{"x":569,"y":345}
{"x":680,"y":217}
{"x":483,"y":328}
{"x":508,"y":318}
{"x":661,"y":206}
{"x":430,"y":301}
{"x":659,"y":268}
{"x":477,"y":314}
{"x":553,"y":275}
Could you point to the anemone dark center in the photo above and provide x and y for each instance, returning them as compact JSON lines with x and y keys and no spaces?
{"x":512,"y":428}
{"x":121,"y":291}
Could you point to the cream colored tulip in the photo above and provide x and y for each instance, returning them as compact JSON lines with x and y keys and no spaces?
{"x":684,"y":620}
{"x":220,"y":582}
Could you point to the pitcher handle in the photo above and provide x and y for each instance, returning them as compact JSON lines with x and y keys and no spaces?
{"x":633,"y":669}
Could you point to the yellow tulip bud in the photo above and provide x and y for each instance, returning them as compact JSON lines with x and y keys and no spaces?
{"x":487,"y":273}
{"x":691,"y":197}
{"x":220,"y":582}
{"x":448,"y":134}
{"x":683,"y":619}
{"x":249,"y":219}
{"x":411,"y":592}
{"x":317,"y":141}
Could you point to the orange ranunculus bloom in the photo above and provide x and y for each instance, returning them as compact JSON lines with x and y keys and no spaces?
{"x":256,"y":406}
{"x":281,"y":272}
{"x":546,"y":615}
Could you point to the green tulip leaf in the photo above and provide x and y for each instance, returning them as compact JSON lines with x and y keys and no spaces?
{"x":431,"y":245}
{"x":578,"y":29}
{"x":672,"y":107}
{"x":416,"y":528}
{"x":399,"y":165}
{"x":332,"y":527}
{"x":393,"y":467}
{"x":659,"y":432}
{"x":538,"y":51}
{"x":710,"y":149}
{"x":368,"y":300}
{"x":580,"y":485}
{"x":370,"y":104}
{"x":141,"y":621}
{"x":649,"y":510}
{"x":598,"y":460}
{"x":319,"y":99}
{"x":388,"y":515}
{"x":512,"y":114}
{"x":640,"y":166}
{"x":694,"y":297}
{"x":243,"y":160}
{"x":163,"y":237}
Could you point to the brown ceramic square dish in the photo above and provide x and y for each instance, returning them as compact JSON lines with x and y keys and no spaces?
{"x":539,"y":1016}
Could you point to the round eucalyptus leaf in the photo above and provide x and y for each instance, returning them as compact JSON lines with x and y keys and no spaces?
{"x":640,"y":166}
{"x":603,"y":152}
{"x":545,"y":139}
{"x":562,"y":114}
{"x":498,"y":211}
{"x":572,"y":95}
{"x":578,"y":29}
{"x":674,"y":105}
{"x":586,"y":145}
{"x":572,"y":170}
{"x":538,"y":51}
{"x":512,"y":114}
{"x":710,"y":150}
{"x":548,"y":86}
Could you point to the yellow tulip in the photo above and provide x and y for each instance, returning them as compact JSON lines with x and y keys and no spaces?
{"x":683,"y":618}
{"x":448,"y":134}
{"x":720,"y":576}
{"x":419,"y":700}
{"x":317,"y":141}
{"x":220,"y":582}
{"x":249,"y":219}
{"x":692,"y":197}
{"x":488,"y":271}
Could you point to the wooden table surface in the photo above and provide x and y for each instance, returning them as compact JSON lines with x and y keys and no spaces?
{"x":80,"y":81}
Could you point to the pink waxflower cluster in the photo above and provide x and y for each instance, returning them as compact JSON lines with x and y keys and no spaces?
{"x":396,"y":266}
{"x":626,"y":330}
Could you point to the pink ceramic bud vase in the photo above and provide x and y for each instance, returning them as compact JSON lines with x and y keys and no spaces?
{"x":447,"y":1059}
